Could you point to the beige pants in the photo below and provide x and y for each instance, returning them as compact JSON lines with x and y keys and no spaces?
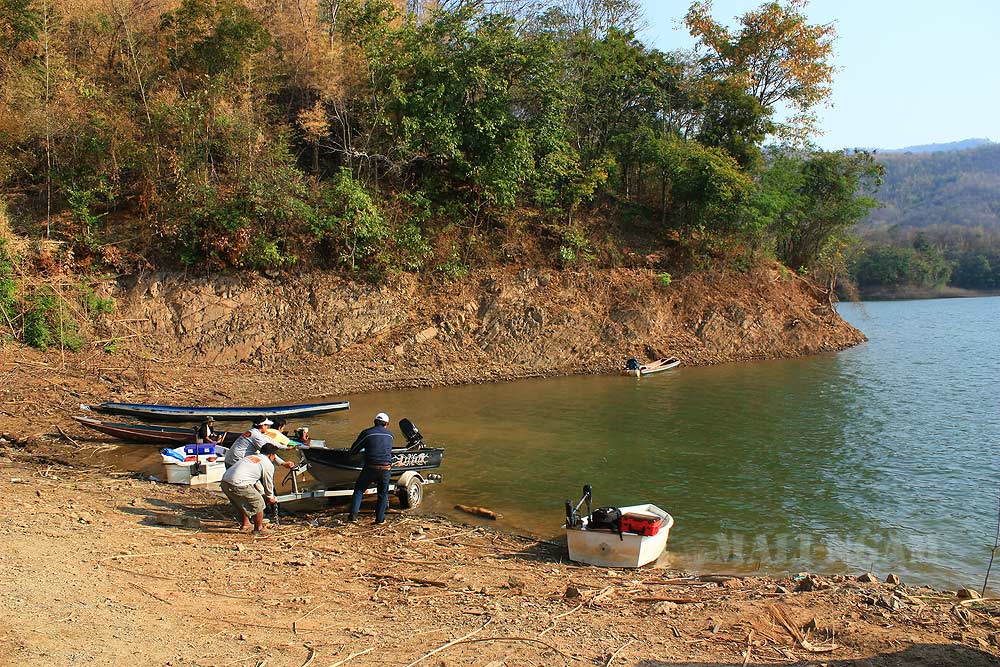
{"x":245,"y":498}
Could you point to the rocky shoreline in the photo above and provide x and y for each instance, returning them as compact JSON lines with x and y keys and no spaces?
{"x":90,"y":562}
{"x":96,"y":571}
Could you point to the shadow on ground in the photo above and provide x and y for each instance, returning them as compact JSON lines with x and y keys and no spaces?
{"x":919,"y":655}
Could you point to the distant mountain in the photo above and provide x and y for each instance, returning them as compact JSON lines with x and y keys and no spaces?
{"x":940,"y":148}
{"x":945,"y":187}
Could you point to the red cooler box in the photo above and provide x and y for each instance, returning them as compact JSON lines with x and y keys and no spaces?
{"x":641,"y":524}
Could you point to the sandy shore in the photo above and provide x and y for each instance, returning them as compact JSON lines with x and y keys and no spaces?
{"x":90,"y":576}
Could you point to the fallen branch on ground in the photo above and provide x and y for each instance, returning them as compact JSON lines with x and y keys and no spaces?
{"x":451,"y":643}
{"x":479,"y":511}
{"x":781,"y":615}
{"x":351,"y":657}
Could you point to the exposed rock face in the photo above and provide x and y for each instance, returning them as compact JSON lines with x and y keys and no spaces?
{"x":530,"y":320}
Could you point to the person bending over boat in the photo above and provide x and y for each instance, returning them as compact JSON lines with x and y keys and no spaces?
{"x":376,"y":443}
{"x":252,"y":442}
{"x":205,"y":433}
{"x":240,"y":484}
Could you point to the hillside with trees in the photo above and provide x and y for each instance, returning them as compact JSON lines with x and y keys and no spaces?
{"x":939,"y":223}
{"x":375,"y":137}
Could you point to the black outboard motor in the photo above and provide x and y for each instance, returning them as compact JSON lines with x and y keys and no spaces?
{"x":573,"y":513}
{"x":412,"y":434}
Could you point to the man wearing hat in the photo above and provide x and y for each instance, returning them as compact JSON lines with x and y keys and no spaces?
{"x":252,"y":442}
{"x":376,"y":443}
{"x":205,"y":433}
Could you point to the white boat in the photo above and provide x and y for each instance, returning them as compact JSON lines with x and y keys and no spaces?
{"x":194,"y":464}
{"x":611,"y":549}
{"x":653,"y":367}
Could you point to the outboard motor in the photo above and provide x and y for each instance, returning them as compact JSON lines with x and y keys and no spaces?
{"x":412,"y":434}
{"x":573,"y":513}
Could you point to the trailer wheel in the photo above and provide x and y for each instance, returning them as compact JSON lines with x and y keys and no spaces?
{"x":411,"y":494}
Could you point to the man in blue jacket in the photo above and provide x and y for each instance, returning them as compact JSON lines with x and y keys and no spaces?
{"x":376,"y":443}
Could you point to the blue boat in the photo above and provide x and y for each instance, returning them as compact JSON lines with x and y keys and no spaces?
{"x":184,"y":413}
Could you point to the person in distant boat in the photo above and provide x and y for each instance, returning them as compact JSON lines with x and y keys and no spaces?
{"x":252,"y":442}
{"x":302,"y":435}
{"x":249,"y":485}
{"x":376,"y":443}
{"x":632,"y":364}
{"x":205,"y":433}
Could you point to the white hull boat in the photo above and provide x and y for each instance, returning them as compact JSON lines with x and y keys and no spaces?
{"x":653,"y":367}
{"x":612,"y":549}
{"x":194,"y":464}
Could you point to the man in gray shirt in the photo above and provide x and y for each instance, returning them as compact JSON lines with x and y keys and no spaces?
{"x":241,"y":482}
{"x":252,"y":442}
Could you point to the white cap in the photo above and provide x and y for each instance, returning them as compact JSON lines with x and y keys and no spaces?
{"x":266,"y":422}
{"x":382,"y":417}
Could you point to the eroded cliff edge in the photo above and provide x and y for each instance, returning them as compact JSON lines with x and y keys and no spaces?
{"x":493,"y":324}
{"x":252,"y":340}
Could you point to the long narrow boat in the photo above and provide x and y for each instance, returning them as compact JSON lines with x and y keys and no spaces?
{"x":183,"y":413}
{"x":149,"y":434}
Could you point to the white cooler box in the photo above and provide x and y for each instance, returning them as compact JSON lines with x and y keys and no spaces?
{"x":180,"y":472}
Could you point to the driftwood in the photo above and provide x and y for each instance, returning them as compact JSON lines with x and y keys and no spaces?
{"x":615,"y":654}
{"x":781,"y":615}
{"x":150,"y":593}
{"x":479,"y":511}
{"x":72,"y":441}
{"x":166,"y":519}
{"x":408,"y":579}
{"x":295,"y":629}
{"x":451,"y":643}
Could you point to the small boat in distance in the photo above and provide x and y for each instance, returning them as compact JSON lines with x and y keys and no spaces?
{"x":181,"y":413}
{"x":150,"y":434}
{"x":634,"y":369}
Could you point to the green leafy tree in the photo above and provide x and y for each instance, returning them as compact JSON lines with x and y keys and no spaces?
{"x":775,"y":55}
{"x":812,"y":201}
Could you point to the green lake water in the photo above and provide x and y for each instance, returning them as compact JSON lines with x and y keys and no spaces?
{"x":882,"y":456}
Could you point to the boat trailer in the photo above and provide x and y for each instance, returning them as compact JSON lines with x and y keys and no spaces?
{"x":409,"y":488}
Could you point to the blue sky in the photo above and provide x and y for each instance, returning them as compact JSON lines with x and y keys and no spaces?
{"x":909,"y":71}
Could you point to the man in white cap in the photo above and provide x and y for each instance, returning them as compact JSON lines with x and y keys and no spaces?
{"x":252,"y":442}
{"x":376,"y":443}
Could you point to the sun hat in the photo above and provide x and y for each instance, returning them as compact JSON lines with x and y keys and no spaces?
{"x":210,"y":418}
{"x":382,"y":417}
{"x":264,"y":422}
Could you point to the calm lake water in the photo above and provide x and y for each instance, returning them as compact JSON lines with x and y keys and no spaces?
{"x":882,"y":456}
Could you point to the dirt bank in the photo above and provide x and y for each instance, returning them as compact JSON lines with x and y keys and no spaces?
{"x":89,"y":577}
{"x":240,"y":339}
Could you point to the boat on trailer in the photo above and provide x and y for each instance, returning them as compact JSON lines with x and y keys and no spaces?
{"x":190,"y":413}
{"x":336,"y":469}
{"x":638,"y":370}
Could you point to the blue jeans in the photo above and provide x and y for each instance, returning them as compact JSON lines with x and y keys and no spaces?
{"x":365,"y":479}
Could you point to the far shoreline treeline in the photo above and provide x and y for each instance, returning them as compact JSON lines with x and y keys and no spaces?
{"x":373,"y":138}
